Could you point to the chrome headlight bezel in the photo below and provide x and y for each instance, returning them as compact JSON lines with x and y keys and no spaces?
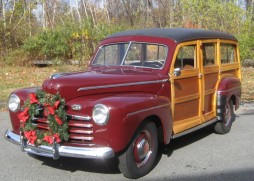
{"x":100,"y":114}
{"x":14,"y":103}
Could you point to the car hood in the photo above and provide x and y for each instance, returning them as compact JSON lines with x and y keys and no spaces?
{"x":71,"y":85}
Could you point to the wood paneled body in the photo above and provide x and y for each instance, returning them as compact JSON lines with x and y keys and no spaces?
{"x":194,"y":90}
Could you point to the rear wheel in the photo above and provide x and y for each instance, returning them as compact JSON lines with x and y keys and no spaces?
{"x":224,"y":126}
{"x":140,"y":156}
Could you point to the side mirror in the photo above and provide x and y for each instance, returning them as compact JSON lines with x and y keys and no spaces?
{"x":177,"y":72}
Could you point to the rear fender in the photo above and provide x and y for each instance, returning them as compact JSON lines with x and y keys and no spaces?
{"x":228,"y":88}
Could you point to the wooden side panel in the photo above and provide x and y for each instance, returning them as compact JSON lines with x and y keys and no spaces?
{"x":187,"y":100}
{"x":187,"y":109}
{"x":186,"y":86}
{"x":231,"y":68}
{"x":209,"y":107}
{"x":232,"y":72}
{"x":210,"y":82}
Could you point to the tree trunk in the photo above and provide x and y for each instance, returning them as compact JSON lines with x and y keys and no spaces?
{"x":13,"y":10}
{"x":128,"y":12}
{"x":29,"y":19}
{"x":85,"y":8}
{"x":90,"y":8}
{"x":79,"y":16}
{"x":44,"y":24}
{"x":4,"y":25}
{"x":54,"y":14}
{"x":106,"y":8}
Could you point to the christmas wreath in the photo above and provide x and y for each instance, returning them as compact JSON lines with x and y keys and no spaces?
{"x":41,"y":105}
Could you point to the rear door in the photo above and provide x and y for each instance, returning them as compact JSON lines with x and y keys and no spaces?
{"x":209,"y":59}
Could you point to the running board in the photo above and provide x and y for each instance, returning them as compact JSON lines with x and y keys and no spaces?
{"x":194,"y":128}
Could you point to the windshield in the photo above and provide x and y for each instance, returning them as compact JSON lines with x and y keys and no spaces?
{"x":132,"y":54}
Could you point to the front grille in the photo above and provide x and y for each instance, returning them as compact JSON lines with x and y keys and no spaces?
{"x":80,"y":129}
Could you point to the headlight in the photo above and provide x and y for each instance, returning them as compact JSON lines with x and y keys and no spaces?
{"x":14,"y":103}
{"x":100,"y":114}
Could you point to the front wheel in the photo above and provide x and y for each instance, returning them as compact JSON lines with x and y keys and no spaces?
{"x":139,"y":158}
{"x":224,"y":126}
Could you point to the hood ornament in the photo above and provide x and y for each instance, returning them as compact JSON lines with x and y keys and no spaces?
{"x":55,"y":76}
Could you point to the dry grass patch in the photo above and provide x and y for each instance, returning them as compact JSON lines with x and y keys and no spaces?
{"x":248,"y":84}
{"x":12,"y":78}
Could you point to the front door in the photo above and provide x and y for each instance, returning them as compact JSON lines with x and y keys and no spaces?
{"x":186,"y":97}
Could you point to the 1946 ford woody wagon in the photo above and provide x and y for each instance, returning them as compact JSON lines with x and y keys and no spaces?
{"x":142,"y":87}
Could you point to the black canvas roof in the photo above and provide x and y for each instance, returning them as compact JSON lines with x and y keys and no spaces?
{"x":177,"y":34}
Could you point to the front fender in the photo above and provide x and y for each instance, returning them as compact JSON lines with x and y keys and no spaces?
{"x":127,"y":112}
{"x":23,"y":96}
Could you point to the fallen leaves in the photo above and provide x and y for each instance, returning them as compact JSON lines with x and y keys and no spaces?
{"x":15,"y":77}
{"x":248,"y":84}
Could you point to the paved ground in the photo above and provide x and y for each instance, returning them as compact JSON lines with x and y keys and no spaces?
{"x":202,"y":155}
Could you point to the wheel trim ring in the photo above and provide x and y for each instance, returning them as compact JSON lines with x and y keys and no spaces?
{"x":142,"y":148}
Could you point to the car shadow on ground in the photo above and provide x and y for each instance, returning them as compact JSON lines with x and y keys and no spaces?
{"x":186,"y":140}
{"x":110,"y":166}
{"x":105,"y":166}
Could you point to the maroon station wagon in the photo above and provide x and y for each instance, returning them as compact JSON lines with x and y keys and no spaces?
{"x":142,"y":87}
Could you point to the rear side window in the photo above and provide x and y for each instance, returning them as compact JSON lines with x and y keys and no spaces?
{"x":208,"y":54}
{"x":228,"y":53}
{"x":186,"y":57}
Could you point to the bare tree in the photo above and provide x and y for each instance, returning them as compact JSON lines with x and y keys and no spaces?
{"x":106,"y":4}
{"x":85,"y":8}
{"x":3,"y":4}
{"x":128,"y":10}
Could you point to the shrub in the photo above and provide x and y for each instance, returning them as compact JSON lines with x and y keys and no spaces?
{"x":246,"y":44}
{"x":16,"y":57}
{"x":49,"y":45}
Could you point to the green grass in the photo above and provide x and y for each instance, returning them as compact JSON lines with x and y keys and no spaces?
{"x":14,"y":77}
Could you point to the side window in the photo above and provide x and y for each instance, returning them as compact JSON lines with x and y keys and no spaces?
{"x":146,"y":55}
{"x":208,"y":54}
{"x":156,"y":53}
{"x":111,"y":54}
{"x":134,"y":54}
{"x":228,"y":53}
{"x":108,"y":55}
{"x":186,"y":57}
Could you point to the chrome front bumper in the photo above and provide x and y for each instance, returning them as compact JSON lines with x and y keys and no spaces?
{"x":55,"y":151}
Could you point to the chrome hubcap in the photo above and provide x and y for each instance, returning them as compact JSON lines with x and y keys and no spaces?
{"x":142,"y":148}
{"x":227,"y":114}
